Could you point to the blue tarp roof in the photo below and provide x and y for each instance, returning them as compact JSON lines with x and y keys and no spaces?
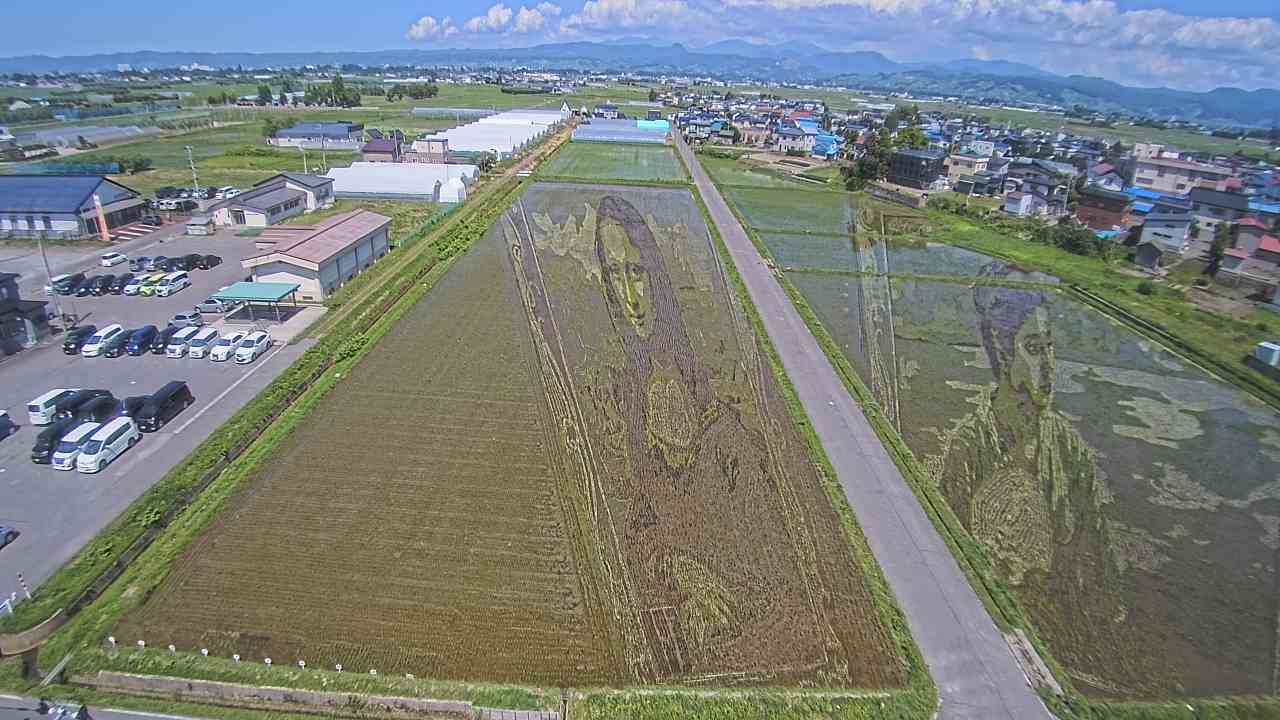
{"x":1264,"y":208}
{"x":46,"y":193}
{"x":1108,"y":234}
{"x":1142,"y":208}
{"x":1137,"y":192}
{"x":337,"y":131}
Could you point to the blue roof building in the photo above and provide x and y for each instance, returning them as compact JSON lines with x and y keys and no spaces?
{"x":63,"y":206}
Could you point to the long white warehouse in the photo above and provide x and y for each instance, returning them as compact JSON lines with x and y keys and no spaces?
{"x":423,"y":182}
{"x":503,"y":134}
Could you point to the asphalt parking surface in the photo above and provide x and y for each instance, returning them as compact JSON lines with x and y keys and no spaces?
{"x":57,"y":512}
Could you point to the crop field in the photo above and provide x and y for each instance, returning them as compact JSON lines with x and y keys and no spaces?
{"x":1087,"y":461}
{"x":794,"y":211}
{"x":603,"y":161}
{"x":594,"y":479}
{"x":740,"y":171}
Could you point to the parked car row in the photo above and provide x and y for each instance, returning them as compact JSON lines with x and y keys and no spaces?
{"x":184,"y":337}
{"x":88,"y":429}
{"x":132,"y":283}
{"x":170,"y":204}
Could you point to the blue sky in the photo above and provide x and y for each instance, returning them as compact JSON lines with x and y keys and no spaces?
{"x":1180,"y":43}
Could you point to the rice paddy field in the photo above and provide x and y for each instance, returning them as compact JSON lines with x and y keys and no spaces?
{"x":606,"y":161}
{"x":1130,"y":500}
{"x":593,"y":480}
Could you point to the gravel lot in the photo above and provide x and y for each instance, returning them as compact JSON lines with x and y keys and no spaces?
{"x":58,"y":512}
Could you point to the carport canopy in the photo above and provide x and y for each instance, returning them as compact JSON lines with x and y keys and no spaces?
{"x":263,"y":293}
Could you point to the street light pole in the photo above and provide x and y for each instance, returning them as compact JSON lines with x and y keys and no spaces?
{"x":195,"y":181}
{"x":304,"y":159}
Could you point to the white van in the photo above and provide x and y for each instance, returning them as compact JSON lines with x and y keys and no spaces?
{"x":93,"y":346}
{"x":202,"y":342}
{"x":177,"y":346}
{"x":172,"y":283}
{"x":68,"y":448}
{"x":222,"y":192}
{"x":53,"y":282}
{"x":40,"y":410}
{"x":106,"y":444}
{"x":226,"y":346}
{"x":252,"y":346}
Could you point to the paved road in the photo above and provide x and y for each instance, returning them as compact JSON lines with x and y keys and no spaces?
{"x":976,"y":672}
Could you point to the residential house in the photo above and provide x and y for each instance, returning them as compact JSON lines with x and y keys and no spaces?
{"x":1174,"y":175}
{"x":793,"y":140}
{"x":916,"y":168}
{"x":1212,"y":207}
{"x":1102,"y":209}
{"x":1171,"y":233}
{"x":431,"y":150}
{"x":608,"y":111}
{"x":1048,"y":181}
{"x":965,"y":164}
{"x":64,"y":206}
{"x":274,"y":200}
{"x":22,"y":322}
{"x":1020,"y":204}
{"x":985,"y":184}
{"x":1105,"y":175}
{"x":1149,"y":255}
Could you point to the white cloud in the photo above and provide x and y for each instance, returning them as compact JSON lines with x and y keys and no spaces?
{"x":608,"y":15}
{"x":428,"y":28}
{"x":494,"y":20}
{"x":531,"y":20}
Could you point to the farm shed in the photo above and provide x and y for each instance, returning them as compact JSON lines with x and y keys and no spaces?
{"x":420,"y":182}
{"x":273,"y":200}
{"x":322,"y":258}
{"x":258,"y":293}
{"x":64,"y":206}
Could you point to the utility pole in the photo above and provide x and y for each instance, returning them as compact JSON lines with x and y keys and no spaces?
{"x":195,"y":181}
{"x":48,"y":276}
{"x":324,"y":160}
{"x":305,"y":169}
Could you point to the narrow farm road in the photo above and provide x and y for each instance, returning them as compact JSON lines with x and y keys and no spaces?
{"x":976,"y":673}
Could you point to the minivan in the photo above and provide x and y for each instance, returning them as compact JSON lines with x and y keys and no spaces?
{"x":64,"y":454}
{"x":172,"y":283}
{"x":141,"y":339}
{"x":117,"y":346}
{"x":122,"y":280}
{"x":47,"y":440}
{"x":96,"y":410}
{"x":161,"y":340}
{"x":101,"y":284}
{"x":67,"y":284}
{"x":202,"y":341}
{"x":134,"y":286}
{"x":41,"y":410}
{"x":130,"y":406}
{"x":164,"y":405}
{"x":74,"y":339}
{"x":69,"y":405}
{"x":209,"y":262}
{"x":252,"y":346}
{"x":94,"y":345}
{"x":106,"y":444}
{"x":177,"y":346}
{"x":54,"y":282}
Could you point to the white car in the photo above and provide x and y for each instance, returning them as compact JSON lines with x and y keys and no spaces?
{"x":179,"y":342}
{"x":94,"y":345}
{"x":107,"y":443}
{"x":68,"y":448}
{"x":53,"y":282}
{"x":40,"y":410}
{"x":253,"y":345}
{"x":134,"y":286}
{"x":172,"y":283}
{"x":201,"y":342}
{"x":112,"y":259}
{"x":226,"y":346}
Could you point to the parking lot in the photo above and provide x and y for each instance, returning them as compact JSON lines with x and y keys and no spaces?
{"x":58,"y":512}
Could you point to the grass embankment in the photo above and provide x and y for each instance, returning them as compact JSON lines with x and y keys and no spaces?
{"x":1217,"y":342}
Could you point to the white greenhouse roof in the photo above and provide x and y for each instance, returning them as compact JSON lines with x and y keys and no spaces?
{"x":398,"y":179}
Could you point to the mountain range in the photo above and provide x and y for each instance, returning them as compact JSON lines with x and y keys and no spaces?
{"x":991,"y":80}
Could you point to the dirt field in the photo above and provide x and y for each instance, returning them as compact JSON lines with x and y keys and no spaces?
{"x":569,"y":465}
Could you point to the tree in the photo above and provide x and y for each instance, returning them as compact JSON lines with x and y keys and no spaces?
{"x":270,"y":126}
{"x":264,"y":95}
{"x":1217,"y":250}
{"x":653,"y":95}
{"x":212,"y":100}
{"x":287,"y":86}
{"x":912,"y":138}
{"x":486,"y":161}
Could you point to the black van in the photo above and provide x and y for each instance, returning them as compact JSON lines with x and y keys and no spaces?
{"x":141,"y":339}
{"x":192,"y":261}
{"x":48,"y":439}
{"x":74,"y":338}
{"x":161,"y":340}
{"x":98,"y":410}
{"x":163,"y":406}
{"x":209,"y":262}
{"x":68,"y":406}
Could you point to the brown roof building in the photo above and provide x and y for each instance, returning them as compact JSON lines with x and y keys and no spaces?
{"x":321,"y":258}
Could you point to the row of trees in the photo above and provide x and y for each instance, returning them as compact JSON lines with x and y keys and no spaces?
{"x":417,"y":91}
{"x":335,"y":93}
